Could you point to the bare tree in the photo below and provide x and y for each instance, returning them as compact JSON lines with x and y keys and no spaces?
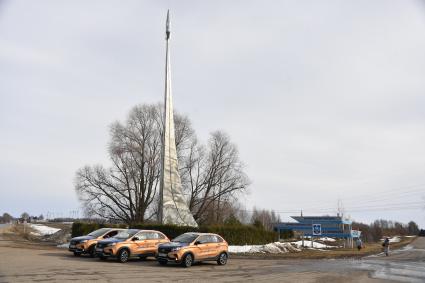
{"x":213,"y":177}
{"x":128,"y":190}
{"x":264,"y":218}
{"x":25,"y":216}
{"x":6,"y":218}
{"x":412,"y":228}
{"x":125,"y":191}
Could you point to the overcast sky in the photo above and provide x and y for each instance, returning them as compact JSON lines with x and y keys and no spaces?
{"x":325,"y":99}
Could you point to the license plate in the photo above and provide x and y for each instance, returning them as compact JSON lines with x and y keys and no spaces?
{"x":162,"y":254}
{"x":71,"y":246}
{"x":99,"y":250}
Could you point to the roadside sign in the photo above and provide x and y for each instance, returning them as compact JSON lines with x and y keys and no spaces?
{"x":317,"y":229}
{"x":356,"y":233}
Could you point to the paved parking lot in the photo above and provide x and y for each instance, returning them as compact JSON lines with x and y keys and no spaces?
{"x":25,"y":262}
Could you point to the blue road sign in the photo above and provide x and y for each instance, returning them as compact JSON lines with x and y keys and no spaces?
{"x":317,"y":229}
{"x":355,"y":233}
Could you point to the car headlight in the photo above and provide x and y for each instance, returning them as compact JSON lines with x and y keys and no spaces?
{"x":83,"y":241}
{"x":111,"y":244}
{"x":176,"y":249}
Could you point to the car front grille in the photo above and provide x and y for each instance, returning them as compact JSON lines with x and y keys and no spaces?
{"x":74,"y":242}
{"x":164,"y":250}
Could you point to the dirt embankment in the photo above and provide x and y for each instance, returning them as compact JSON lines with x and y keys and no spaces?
{"x":23,"y":235}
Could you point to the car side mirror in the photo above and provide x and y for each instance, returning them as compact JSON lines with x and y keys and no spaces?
{"x":197,"y":243}
{"x":135,"y":239}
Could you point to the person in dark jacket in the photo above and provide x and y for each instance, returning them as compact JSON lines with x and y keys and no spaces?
{"x":359,"y":244}
{"x":386,"y":245}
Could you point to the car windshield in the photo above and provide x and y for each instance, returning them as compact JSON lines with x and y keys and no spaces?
{"x":186,"y":238}
{"x":99,"y":232}
{"x":126,"y":234}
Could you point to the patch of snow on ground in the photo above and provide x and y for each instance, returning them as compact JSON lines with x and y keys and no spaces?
{"x":327,"y":239}
{"x":316,"y":245}
{"x":272,"y":248}
{"x":43,"y":230}
{"x":63,"y":246}
{"x":395,"y":239}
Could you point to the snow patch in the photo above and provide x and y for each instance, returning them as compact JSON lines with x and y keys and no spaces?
{"x":326,"y":239}
{"x":63,"y":246}
{"x":316,"y":245}
{"x":43,"y":230}
{"x":272,"y":248}
{"x":395,"y":239}
{"x":286,"y":247}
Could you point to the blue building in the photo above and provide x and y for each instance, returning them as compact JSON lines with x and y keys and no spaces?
{"x":318,"y":226}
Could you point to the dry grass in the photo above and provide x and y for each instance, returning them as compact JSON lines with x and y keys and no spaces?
{"x":23,"y":232}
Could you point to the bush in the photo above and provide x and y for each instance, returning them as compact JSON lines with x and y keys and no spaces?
{"x":171,"y":231}
{"x":233,"y":234}
{"x":81,"y":228}
{"x":242,"y":234}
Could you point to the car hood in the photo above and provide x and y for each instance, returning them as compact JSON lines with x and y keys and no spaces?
{"x":82,"y":238}
{"x":173,"y":245}
{"x":111,"y":240}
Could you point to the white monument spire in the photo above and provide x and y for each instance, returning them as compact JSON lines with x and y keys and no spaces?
{"x":173,"y":206}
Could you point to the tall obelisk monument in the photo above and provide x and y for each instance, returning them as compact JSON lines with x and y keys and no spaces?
{"x":173,"y":206}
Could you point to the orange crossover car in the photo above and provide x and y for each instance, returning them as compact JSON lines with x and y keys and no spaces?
{"x":190,"y":247}
{"x":131,"y":243}
{"x":86,"y":244}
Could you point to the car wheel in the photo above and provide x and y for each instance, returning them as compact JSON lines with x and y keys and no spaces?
{"x":77,"y":253}
{"x":162,"y":262}
{"x":91,"y":251}
{"x":222,"y":259}
{"x":123,"y":256}
{"x":187,"y":260}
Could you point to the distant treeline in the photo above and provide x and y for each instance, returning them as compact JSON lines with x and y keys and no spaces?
{"x":375,"y":231}
{"x":6,"y":218}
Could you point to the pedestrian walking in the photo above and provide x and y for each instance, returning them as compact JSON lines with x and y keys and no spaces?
{"x":359,"y":244}
{"x":386,"y":245}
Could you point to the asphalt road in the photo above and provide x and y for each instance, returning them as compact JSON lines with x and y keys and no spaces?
{"x":26,"y":262}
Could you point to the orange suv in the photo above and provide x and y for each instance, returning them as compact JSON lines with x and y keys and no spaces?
{"x":190,"y":247}
{"x":86,"y":244}
{"x":131,"y":243}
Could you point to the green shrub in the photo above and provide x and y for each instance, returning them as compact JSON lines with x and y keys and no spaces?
{"x":242,"y":234}
{"x":171,"y":231}
{"x":233,"y":234}
{"x":83,"y":228}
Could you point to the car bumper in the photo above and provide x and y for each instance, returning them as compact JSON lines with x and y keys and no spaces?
{"x":170,"y":257}
{"x":105,"y":252}
{"x":76,"y":248}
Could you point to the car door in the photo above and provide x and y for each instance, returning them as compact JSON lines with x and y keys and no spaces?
{"x":201,"y":247}
{"x":213,"y":245}
{"x":139,"y":244}
{"x":152,"y":241}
